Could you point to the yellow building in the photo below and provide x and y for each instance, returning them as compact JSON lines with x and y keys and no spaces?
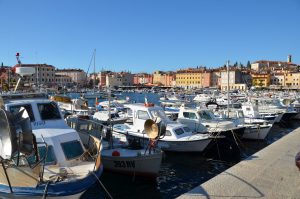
{"x":292,"y":80}
{"x":261,"y":79}
{"x":189,"y":78}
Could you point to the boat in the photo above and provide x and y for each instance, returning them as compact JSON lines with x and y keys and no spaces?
{"x":120,"y":155}
{"x":200,"y":119}
{"x":178,"y":137}
{"x":255,"y":129}
{"x":109,"y":117}
{"x":133,"y":158}
{"x":202,"y":98}
{"x":44,"y":158}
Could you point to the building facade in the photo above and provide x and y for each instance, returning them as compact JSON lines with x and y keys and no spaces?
{"x":261,"y":79}
{"x":235,"y":79}
{"x":142,"y":78}
{"x":119,"y":79}
{"x":161,"y":78}
{"x":44,"y":75}
{"x":78,"y":76}
{"x":63,"y":80}
{"x":193,"y":78}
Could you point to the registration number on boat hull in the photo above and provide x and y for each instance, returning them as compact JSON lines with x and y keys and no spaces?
{"x":124,"y":164}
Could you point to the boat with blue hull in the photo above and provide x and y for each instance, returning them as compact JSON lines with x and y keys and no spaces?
{"x":40,"y":156}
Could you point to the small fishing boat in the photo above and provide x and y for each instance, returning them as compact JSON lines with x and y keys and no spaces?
{"x":132,"y":158}
{"x":40,"y":155}
{"x":178,"y":137}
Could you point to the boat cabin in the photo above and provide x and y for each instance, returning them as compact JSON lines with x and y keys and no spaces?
{"x":48,"y":126}
{"x":143,"y":112}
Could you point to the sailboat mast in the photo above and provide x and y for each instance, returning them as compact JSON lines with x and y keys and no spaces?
{"x":227,"y":65}
{"x":94,"y":82}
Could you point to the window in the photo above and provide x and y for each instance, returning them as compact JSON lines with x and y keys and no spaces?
{"x":143,"y":115}
{"x":49,"y":111}
{"x":189,"y":115}
{"x":168,"y":133}
{"x":28,"y":108}
{"x":72,"y":149}
{"x":50,"y":159}
{"x":179,"y":131}
{"x":186,"y":129}
{"x":205,"y":115}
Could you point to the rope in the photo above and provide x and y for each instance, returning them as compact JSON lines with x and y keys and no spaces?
{"x":102,"y":185}
{"x":46,"y":190}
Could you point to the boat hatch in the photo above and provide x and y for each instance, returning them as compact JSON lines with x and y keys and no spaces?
{"x":72,"y":149}
{"x":179,"y":131}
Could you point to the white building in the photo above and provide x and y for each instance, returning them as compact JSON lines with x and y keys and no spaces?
{"x":78,"y":76}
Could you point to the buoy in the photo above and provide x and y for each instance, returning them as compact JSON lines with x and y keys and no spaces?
{"x":115,"y":153}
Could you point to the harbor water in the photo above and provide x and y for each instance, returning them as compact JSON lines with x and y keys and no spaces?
{"x":180,"y":172}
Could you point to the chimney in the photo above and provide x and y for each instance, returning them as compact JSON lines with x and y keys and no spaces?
{"x":289,"y":59}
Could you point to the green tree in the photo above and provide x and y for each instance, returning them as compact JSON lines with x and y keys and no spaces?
{"x":248,"y":65}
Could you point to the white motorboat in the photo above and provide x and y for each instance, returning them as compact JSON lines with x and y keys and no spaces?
{"x":53,"y":161}
{"x":200,"y":120}
{"x":178,"y":137}
{"x":202,"y":98}
{"x":107,"y":117}
{"x":257,"y":129}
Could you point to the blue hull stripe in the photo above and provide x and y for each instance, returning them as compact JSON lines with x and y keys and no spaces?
{"x":56,"y":189}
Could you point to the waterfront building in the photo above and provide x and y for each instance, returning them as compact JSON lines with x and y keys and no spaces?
{"x":7,"y":77}
{"x":262,"y":65}
{"x":235,"y":79}
{"x":63,"y":80}
{"x":292,"y":80}
{"x":164,"y":78}
{"x":193,"y":78}
{"x":277,"y":80}
{"x":216,"y":78}
{"x":261,"y":79}
{"x":44,"y":75}
{"x":142,"y":78}
{"x":102,"y":78}
{"x":114,"y":79}
{"x":78,"y":76}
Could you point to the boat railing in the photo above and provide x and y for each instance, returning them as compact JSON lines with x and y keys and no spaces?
{"x":85,"y":125}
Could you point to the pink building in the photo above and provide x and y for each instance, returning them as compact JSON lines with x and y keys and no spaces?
{"x":206,"y":79}
{"x":169,"y":79}
{"x":142,"y":78}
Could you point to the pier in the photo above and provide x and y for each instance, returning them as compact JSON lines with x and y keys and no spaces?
{"x":269,"y":173}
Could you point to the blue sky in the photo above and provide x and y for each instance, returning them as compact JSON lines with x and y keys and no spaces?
{"x":148,"y":35}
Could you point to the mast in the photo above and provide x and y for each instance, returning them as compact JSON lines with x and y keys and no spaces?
{"x":94,"y":82}
{"x":227,"y":65}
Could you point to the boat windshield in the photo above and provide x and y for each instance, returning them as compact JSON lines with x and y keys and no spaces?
{"x":72,"y":149}
{"x":28,"y":108}
{"x":49,"y":111}
{"x":50,"y":158}
{"x":206,"y":115}
{"x":114,"y":115}
{"x":159,"y":113}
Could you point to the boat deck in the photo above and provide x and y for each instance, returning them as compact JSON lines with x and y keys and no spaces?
{"x":269,"y":173}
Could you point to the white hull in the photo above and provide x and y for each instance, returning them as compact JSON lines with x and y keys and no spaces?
{"x":135,"y":163}
{"x":184,"y":146}
{"x":256,"y":133}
